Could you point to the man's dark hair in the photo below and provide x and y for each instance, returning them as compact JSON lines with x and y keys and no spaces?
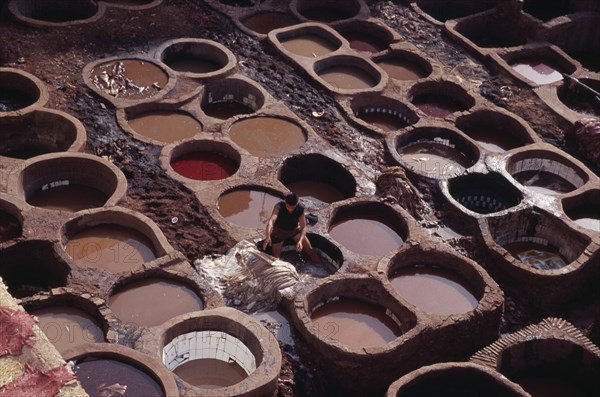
{"x":291,"y":198}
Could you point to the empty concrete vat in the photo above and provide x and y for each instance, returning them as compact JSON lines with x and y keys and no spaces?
{"x":317,"y":179}
{"x":551,"y":261}
{"x":197,"y":58}
{"x":584,"y":210}
{"x":101,"y":367}
{"x":55,"y":13}
{"x":368,"y":227}
{"x":453,"y":380}
{"x":349,"y":74}
{"x":40,"y":132}
{"x":231,"y":97}
{"x":550,"y":358}
{"x":403,"y":65}
{"x":362,"y":333}
{"x":496,"y":131}
{"x":33,"y":266}
{"x":482,"y":194}
{"x":11,"y":219}
{"x":202,"y":160}
{"x":115,"y":240}
{"x":547,"y":170}
{"x":68,"y":320}
{"x":381,"y":113}
{"x":328,"y":10}
{"x":20,"y":92}
{"x":443,"y":10}
{"x":433,"y":152}
{"x":492,"y":29}
{"x":577,"y":36}
{"x":220,"y":352}
{"x":440,"y":98}
{"x":69,"y":182}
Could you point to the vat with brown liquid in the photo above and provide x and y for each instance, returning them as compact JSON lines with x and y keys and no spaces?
{"x":366,"y":236}
{"x":347,"y":77}
{"x":544,"y":182}
{"x":309,"y":45}
{"x":153,"y":301}
{"x":248,"y":208}
{"x":267,"y":136}
{"x":165,"y":126}
{"x":68,"y":197}
{"x":113,"y":248}
{"x":211,"y":373}
{"x":355,"y":323}
{"x":434,"y":159}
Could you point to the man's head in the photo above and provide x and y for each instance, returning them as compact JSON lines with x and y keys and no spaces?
{"x":291,"y":200}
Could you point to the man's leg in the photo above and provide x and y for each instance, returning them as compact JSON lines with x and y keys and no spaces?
{"x":276,"y":249}
{"x":308,"y":248}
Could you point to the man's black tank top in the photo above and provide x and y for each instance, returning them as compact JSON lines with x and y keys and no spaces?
{"x":286,"y":220}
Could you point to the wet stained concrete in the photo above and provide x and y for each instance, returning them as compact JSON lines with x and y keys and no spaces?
{"x":57,"y":56}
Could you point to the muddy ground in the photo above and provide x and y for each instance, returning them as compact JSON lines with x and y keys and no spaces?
{"x":58,"y":55}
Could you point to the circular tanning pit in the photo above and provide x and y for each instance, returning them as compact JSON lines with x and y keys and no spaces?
{"x":309,"y":40}
{"x":355,"y":323}
{"x":67,"y":325}
{"x":494,"y":30}
{"x":546,"y":172}
{"x":366,"y":36}
{"x":317,"y":179}
{"x":584,"y":209}
{"x":101,"y":373}
{"x":494,"y":131}
{"x":440,"y":99}
{"x":222,"y":349}
{"x":384,"y":113}
{"x":70,"y":182}
{"x":348,"y":73}
{"x":128,"y":79}
{"x":436,"y":282}
{"x":32,"y":266}
{"x":368,"y":228}
{"x":165,"y":126}
{"x":196,"y":57}
{"x":152,"y":301}
{"x":111,"y":247}
{"x":435,"y":152}
{"x":404,"y":65}
{"x":551,"y":367}
{"x":20,"y":91}
{"x":581,"y":95}
{"x":54,"y":13}
{"x":327,"y":10}
{"x":330,"y":256}
{"x":484,"y":193}
{"x":264,"y":22}
{"x":538,"y":242}
{"x":266,"y":136}
{"x":454,"y":379}
{"x":247,"y":207}
{"x":231,"y":97}
{"x":40,"y":132}
{"x":205,"y":160}
{"x":353,"y":314}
